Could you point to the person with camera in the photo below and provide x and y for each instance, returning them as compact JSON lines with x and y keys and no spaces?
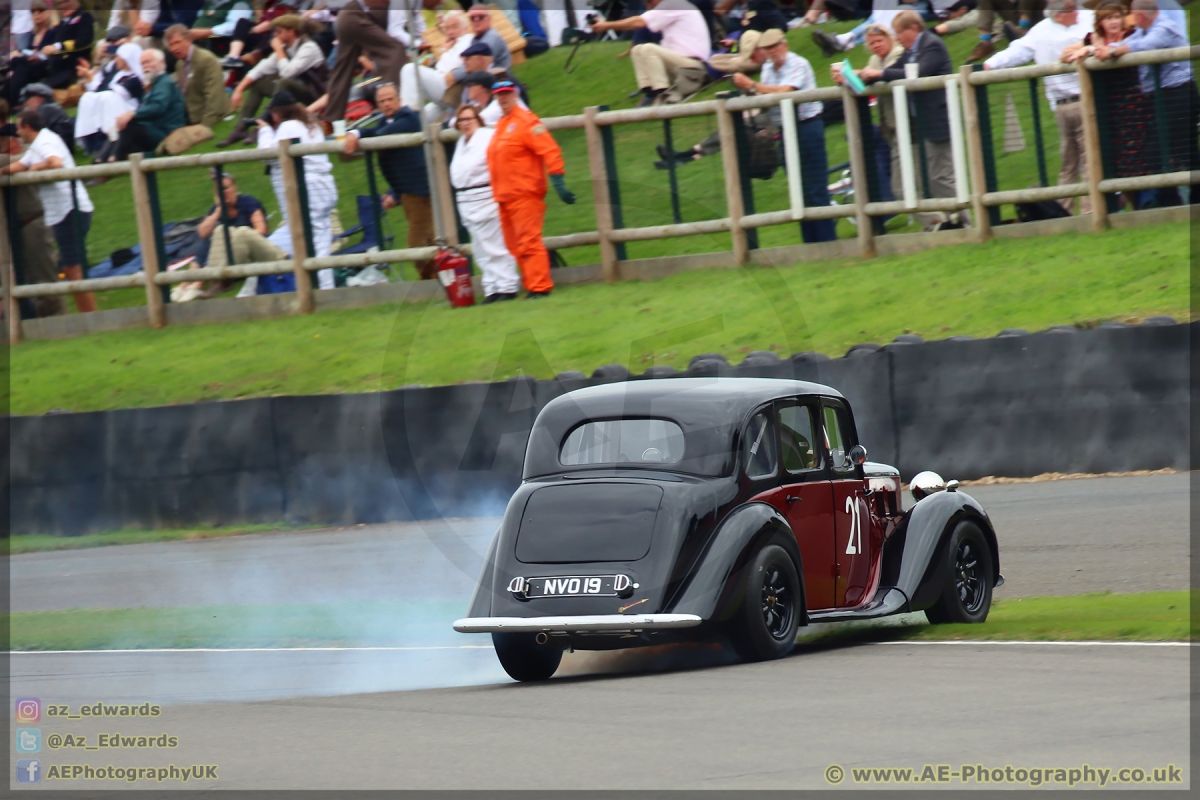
{"x":784,"y":71}
{"x":686,"y":45}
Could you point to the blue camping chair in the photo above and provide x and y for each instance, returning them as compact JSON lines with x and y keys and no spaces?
{"x":370,"y":233}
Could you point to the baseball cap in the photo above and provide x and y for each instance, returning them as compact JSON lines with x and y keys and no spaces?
{"x":477,"y":49}
{"x":503,"y":86}
{"x":283,"y":98}
{"x":770,"y":38}
{"x":480,"y":78}
{"x":37,"y":90}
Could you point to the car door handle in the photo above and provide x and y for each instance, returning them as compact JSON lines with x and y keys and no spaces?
{"x":791,"y":498}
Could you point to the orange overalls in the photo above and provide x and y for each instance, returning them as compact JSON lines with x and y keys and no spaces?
{"x":519,"y":156}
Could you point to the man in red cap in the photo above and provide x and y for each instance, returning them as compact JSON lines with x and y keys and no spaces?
{"x":519,"y":156}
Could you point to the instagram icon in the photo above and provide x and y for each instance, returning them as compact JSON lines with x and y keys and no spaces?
{"x":29,"y":709}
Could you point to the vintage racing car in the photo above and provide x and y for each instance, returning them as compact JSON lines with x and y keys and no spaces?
{"x":655,"y":511}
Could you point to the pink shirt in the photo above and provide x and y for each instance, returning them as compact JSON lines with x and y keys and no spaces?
{"x":683,"y":28}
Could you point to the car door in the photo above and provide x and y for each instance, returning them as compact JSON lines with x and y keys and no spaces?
{"x":856,"y":543}
{"x":804,"y":495}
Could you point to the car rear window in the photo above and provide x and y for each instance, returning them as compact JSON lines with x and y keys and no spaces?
{"x":623,"y":441}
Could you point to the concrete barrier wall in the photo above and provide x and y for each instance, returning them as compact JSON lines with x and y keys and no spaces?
{"x":1085,"y":401}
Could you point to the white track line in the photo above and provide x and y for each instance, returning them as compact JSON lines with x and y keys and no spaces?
{"x":1048,"y":642}
{"x":252,"y":650}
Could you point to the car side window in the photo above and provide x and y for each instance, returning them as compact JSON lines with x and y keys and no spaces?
{"x":760,"y":447}
{"x":798,"y":446}
{"x":837,"y":431}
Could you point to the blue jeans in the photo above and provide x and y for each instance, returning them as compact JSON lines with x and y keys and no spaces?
{"x":814,"y":177}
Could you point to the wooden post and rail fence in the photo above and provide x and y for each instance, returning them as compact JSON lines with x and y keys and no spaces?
{"x":969,"y":140}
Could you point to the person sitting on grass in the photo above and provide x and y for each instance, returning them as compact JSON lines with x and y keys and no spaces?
{"x":161,"y":111}
{"x":200,"y":78}
{"x":245,"y":224}
{"x":685,"y":47}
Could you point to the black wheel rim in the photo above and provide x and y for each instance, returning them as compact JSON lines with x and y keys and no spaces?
{"x":778,"y":604}
{"x":968,"y":577}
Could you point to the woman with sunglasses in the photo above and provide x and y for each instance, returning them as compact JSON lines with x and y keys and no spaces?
{"x":477,"y":206}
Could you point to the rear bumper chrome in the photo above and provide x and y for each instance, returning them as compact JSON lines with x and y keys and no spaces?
{"x":598,"y":622}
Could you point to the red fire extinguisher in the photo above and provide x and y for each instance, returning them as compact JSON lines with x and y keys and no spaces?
{"x":454,"y":271}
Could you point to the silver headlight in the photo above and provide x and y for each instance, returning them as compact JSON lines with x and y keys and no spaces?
{"x":926,"y":483}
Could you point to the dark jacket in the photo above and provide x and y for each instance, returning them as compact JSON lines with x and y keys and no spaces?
{"x":404,"y":167}
{"x":763,"y":15}
{"x":182,"y":12}
{"x":928,"y":108}
{"x":75,"y":34}
{"x":162,"y":109}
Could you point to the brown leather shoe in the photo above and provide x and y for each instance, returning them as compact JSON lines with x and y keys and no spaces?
{"x":983,"y":50}
{"x":236,"y":135}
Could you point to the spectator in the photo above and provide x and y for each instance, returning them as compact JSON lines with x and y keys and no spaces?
{"x":36,"y":257}
{"x":256,"y":34}
{"x":67,"y":207}
{"x":54,"y":50}
{"x":758,"y":15}
{"x":1156,"y":31}
{"x":21,"y":30}
{"x":434,"y":82}
{"x":138,"y":17}
{"x":399,"y":27}
{"x":220,"y":18}
{"x":963,"y":15}
{"x":928,"y":109}
{"x":477,"y":207}
{"x":360,"y":32}
{"x":40,"y":98}
{"x":112,"y":90}
{"x":404,"y":170}
{"x":173,"y":12}
{"x":478,"y":91}
{"x":1021,"y":12}
{"x":520,"y":154}
{"x":289,"y":120}
{"x":480,"y":18}
{"x":161,"y":111}
{"x":784,"y":71}
{"x":477,"y":60}
{"x":685,"y":47}
{"x":296,"y":65}
{"x":883,"y":12}
{"x":885,"y":51}
{"x":200,"y":78}
{"x":245,"y":224}
{"x":1130,"y":110}
{"x":1044,"y":44}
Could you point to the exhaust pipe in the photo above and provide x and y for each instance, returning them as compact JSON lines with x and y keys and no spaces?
{"x":542,"y":638}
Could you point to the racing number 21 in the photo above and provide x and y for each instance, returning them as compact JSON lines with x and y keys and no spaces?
{"x":854,"y":544}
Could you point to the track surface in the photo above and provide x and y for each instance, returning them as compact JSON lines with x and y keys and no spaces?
{"x":682,"y":717}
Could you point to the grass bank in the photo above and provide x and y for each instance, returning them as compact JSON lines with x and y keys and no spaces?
{"x":1152,"y":616}
{"x":974,"y":290}
{"x":43,"y":543}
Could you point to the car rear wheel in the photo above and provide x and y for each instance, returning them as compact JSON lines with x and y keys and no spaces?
{"x":967,"y":593}
{"x":523,"y":658}
{"x":764,"y":627}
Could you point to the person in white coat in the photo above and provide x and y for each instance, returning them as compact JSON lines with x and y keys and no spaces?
{"x":111,"y":90}
{"x":480,"y":216}
{"x":290,"y":120}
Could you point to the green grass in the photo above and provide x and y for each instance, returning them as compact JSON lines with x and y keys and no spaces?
{"x":1153,"y":616}
{"x":824,"y":306}
{"x":600,"y":79}
{"x":41,"y":543}
{"x":1145,"y":617}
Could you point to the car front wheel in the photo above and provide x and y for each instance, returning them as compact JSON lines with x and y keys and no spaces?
{"x":523,"y":658}
{"x":764,"y":627}
{"x":967,"y":592}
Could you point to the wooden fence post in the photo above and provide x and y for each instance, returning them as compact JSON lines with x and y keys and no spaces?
{"x":1091,"y":147}
{"x":970,"y":104}
{"x":148,"y":239}
{"x":858,"y":173}
{"x":733,"y":184}
{"x":295,"y":219}
{"x":444,"y":196}
{"x":12,"y":313}
{"x":598,"y":168}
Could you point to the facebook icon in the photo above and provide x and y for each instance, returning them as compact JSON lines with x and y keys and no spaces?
{"x":29,"y":770}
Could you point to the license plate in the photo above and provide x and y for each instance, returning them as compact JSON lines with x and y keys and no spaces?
{"x":576,"y":586}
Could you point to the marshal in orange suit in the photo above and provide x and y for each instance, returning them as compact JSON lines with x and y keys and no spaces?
{"x":520,"y":154}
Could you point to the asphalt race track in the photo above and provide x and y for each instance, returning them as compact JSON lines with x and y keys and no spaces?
{"x":667,"y":718}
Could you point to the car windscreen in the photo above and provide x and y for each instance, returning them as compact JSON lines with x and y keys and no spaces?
{"x":635,"y":442}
